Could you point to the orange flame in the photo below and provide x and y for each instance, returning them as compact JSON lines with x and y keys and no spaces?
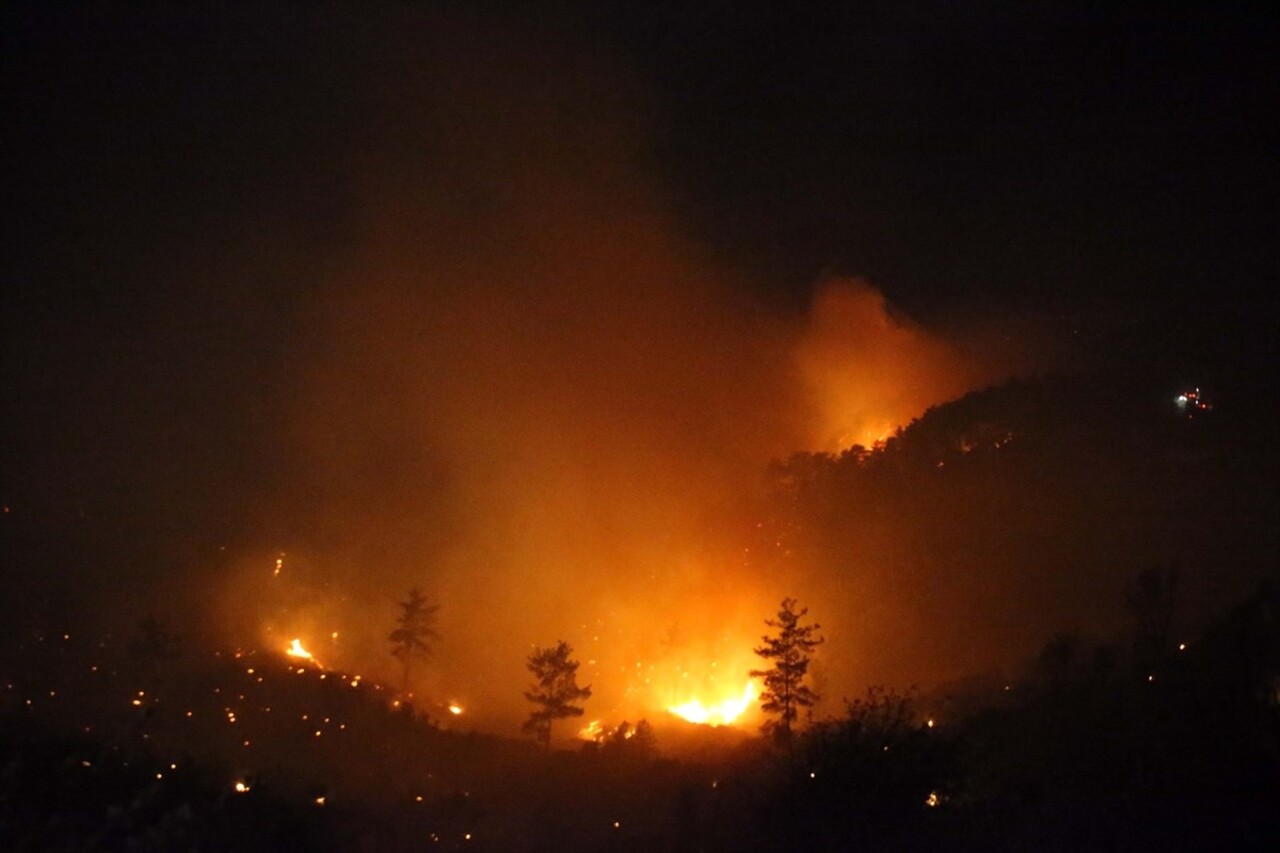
{"x":721,"y":713}
{"x":296,"y":650}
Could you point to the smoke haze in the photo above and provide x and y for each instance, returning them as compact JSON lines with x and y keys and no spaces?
{"x":407,"y":301}
{"x":523,"y":389}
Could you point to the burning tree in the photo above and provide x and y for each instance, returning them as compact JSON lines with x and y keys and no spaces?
{"x":414,"y":638}
{"x":554,"y":691}
{"x":785,"y":692}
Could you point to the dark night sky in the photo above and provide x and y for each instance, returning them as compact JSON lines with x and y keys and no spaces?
{"x":1082,"y":157}
{"x":178,"y":184}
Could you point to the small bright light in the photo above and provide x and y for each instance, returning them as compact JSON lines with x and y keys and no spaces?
{"x":1182,"y":647}
{"x":241,"y":788}
{"x":319,"y":801}
{"x":455,"y":709}
{"x":929,"y":724}
{"x":932,"y":799}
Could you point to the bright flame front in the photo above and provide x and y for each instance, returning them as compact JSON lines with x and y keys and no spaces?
{"x":719,"y":714}
{"x":296,"y":650}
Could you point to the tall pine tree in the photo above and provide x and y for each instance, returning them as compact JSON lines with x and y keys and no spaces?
{"x":415,"y":635}
{"x":785,"y":691}
{"x":555,"y":689}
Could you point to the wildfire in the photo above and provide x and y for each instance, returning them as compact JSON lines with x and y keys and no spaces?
{"x":719,"y":714}
{"x":295,"y":650}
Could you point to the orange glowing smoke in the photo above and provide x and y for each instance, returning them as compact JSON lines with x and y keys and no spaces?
{"x":721,"y":713}
{"x":870,"y":370}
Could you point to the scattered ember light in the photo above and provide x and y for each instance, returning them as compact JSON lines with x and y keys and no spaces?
{"x":241,"y":787}
{"x":933,"y":799}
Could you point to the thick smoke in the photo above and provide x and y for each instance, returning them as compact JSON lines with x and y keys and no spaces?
{"x":524,"y":390}
{"x":871,"y":370}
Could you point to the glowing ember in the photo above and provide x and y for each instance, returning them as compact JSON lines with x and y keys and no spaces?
{"x":593,"y":730}
{"x":722,"y":713}
{"x":455,"y":709}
